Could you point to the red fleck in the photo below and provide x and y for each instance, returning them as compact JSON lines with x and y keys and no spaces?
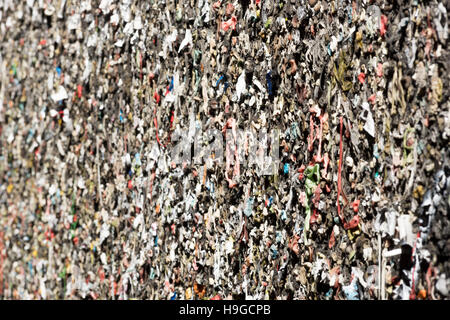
{"x":383,"y":22}
{"x":332,"y":240}
{"x":101,"y":274}
{"x":314,"y":217}
{"x":115,"y":288}
{"x":230,"y":23}
{"x":362,"y":77}
{"x":356,"y":205}
{"x":301,"y":170}
{"x":157,"y":97}
{"x":352,"y":224}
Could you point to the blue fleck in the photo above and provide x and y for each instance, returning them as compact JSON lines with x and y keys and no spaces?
{"x":218,"y":81}
{"x":351,"y":291}
{"x":152,"y":274}
{"x":269,"y":83}
{"x":286,"y":168}
{"x":58,"y":70}
{"x":171,"y":85}
{"x":138,"y":159}
{"x":274,"y":250}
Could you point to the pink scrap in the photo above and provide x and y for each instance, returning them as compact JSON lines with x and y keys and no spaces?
{"x":230,"y":23}
{"x":380,"y":70}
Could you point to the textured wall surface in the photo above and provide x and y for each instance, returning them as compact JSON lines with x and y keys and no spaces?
{"x":94,"y":95}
